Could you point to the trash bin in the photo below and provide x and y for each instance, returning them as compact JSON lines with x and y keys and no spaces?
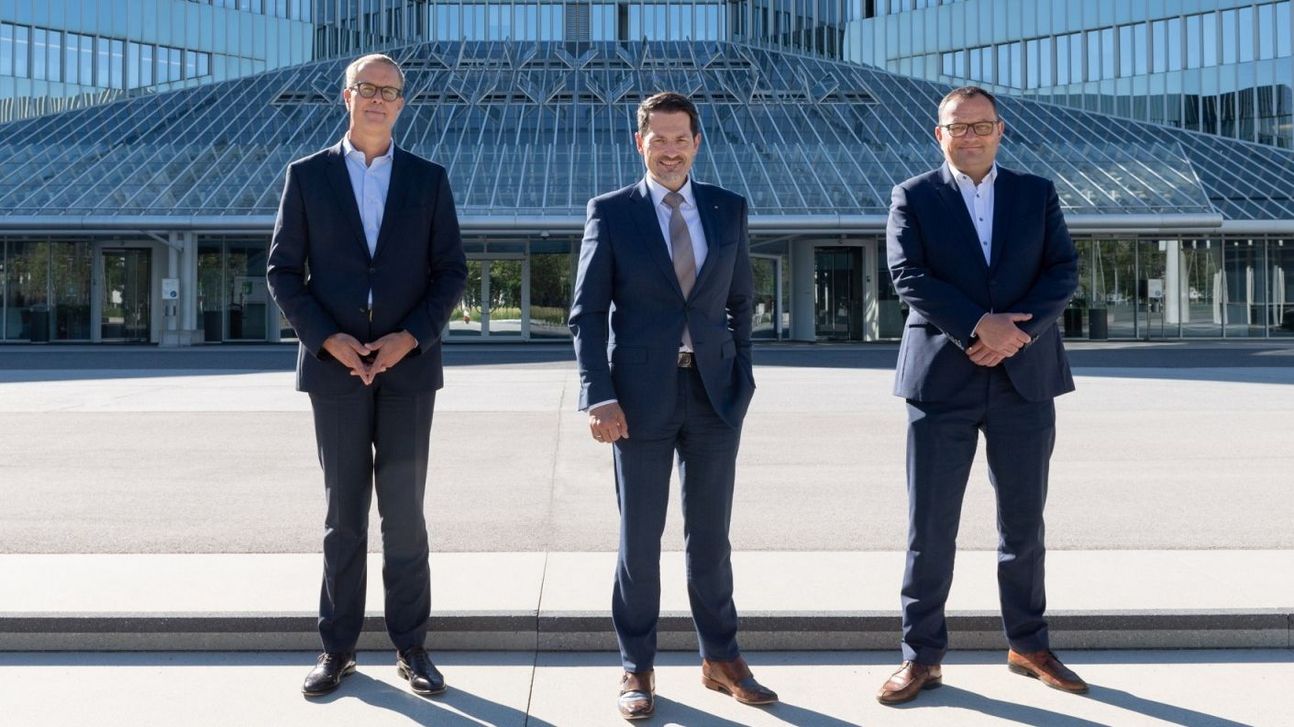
{"x":211,"y":321}
{"x":1098,"y":326}
{"x":1073,"y":322}
{"x":39,"y":324}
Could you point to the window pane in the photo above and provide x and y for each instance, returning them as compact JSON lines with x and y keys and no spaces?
{"x":1094,"y":55}
{"x":55,"y":39}
{"x":1283,"y":32}
{"x":1062,"y":60}
{"x":101,"y":62}
{"x":1044,"y":64}
{"x":1126,"y":52}
{"x":6,"y":49}
{"x":1075,"y":57}
{"x":1031,"y":55}
{"x":1266,"y":31}
{"x":1141,"y":43}
{"x":1175,"y":44}
{"x":146,"y":66}
{"x":1159,"y":30}
{"x":1193,"y":53}
{"x":1230,"y":37}
{"x":1246,"y":34}
{"x":118,"y":64}
{"x":69,"y":56}
{"x":1210,"y":42}
{"x":21,"y":41}
{"x":40,"y":47}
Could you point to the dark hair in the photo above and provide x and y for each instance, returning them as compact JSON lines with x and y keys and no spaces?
{"x":668,"y":102}
{"x":965,"y":92}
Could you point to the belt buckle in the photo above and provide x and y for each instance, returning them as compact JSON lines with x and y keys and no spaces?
{"x":685,"y":360}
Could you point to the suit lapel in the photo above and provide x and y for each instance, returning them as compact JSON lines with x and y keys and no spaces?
{"x":1003,"y":198}
{"x":396,"y":191}
{"x":339,"y":178}
{"x":952,"y":196}
{"x":709,"y":211}
{"x":645,"y":219}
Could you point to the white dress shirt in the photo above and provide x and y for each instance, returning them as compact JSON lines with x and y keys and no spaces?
{"x":370,"y":183}
{"x":979,"y":203}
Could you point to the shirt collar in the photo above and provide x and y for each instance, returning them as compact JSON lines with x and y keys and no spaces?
{"x":658,"y":192}
{"x":350,"y":151}
{"x":989,"y":178}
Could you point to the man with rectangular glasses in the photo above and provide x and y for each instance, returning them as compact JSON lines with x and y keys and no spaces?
{"x":366,"y":262}
{"x":983,"y":259}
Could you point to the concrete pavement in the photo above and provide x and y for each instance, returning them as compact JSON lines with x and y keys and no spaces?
{"x":1213,"y":688}
{"x":173,"y":505}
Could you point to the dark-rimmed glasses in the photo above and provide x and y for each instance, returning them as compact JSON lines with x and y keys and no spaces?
{"x":982,"y":128}
{"x":368,"y":90}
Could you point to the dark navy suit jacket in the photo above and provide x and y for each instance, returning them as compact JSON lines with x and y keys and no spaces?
{"x":320,"y":271}
{"x":939,"y":270}
{"x":628,"y":311}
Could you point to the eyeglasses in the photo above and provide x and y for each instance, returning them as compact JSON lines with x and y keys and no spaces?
{"x":368,"y":90}
{"x":982,"y":128}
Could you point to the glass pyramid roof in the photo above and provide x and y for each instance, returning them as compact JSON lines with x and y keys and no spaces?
{"x":539,"y":128}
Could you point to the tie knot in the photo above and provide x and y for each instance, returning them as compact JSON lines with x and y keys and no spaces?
{"x":674,"y":199}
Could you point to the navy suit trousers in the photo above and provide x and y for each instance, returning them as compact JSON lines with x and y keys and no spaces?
{"x":707,"y":456}
{"x":374,"y":439}
{"x":942,"y":437}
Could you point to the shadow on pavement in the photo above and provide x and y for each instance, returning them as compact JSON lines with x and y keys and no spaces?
{"x":454,"y":708}
{"x":1158,"y":710}
{"x":949,"y":696}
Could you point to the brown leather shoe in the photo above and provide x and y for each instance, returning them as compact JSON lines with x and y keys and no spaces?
{"x":905,"y":684}
{"x":1046,"y":668}
{"x":734,"y":677}
{"x":637,"y":695}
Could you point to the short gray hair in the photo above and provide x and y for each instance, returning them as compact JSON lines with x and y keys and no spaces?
{"x":353,"y":69}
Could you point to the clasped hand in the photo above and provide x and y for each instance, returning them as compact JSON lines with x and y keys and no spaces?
{"x":367,"y":360}
{"x":998,"y":338}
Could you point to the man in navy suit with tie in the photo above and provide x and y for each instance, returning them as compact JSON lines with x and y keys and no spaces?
{"x":366,"y":262}
{"x":661,"y":319}
{"x":983,"y":259}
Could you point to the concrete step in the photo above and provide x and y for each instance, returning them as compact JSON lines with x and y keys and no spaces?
{"x":560,"y":601}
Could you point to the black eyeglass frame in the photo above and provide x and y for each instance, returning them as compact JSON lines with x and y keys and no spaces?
{"x":988,"y":126}
{"x":396,"y":91}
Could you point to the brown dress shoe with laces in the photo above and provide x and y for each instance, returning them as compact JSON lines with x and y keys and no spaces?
{"x":1046,"y":668}
{"x":905,"y":684}
{"x":637,"y":695}
{"x":734,"y":677}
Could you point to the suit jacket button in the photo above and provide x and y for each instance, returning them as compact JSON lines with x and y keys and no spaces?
{"x":372,"y":270}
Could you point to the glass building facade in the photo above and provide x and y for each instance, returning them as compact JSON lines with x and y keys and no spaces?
{"x":148,"y":219}
{"x":1222,"y":67}
{"x":62,"y":54}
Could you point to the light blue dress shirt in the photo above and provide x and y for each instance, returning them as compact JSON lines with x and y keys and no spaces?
{"x":370,"y":183}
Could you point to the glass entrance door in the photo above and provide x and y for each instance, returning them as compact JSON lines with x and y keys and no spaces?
{"x":495,"y":300}
{"x":838,"y":293}
{"x":125,"y":305}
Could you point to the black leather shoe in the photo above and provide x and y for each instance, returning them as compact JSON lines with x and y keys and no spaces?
{"x":424,"y":678}
{"x":329,"y":670}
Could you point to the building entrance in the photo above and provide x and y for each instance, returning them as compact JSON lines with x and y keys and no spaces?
{"x":838,"y":292}
{"x":495,"y":301}
{"x":125,"y":304}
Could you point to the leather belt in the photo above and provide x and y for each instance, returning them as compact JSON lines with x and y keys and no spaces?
{"x":686,"y":360}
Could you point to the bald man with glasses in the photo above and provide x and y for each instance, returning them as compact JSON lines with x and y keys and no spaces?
{"x":982,"y":257}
